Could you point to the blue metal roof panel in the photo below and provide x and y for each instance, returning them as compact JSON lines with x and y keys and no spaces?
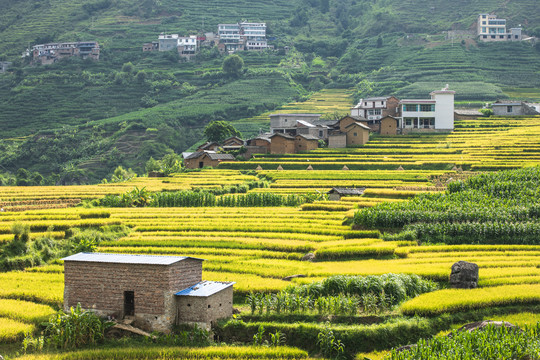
{"x":127,"y":258}
{"x":205,"y":288}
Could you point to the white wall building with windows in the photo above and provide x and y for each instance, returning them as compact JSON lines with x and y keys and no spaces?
{"x":435,"y":114}
{"x":489,"y":28}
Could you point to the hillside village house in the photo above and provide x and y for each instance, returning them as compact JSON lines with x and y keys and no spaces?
{"x":489,"y":28}
{"x":187,"y":46}
{"x":205,"y":158}
{"x":371,"y":110}
{"x":514,"y":108}
{"x":160,"y":290}
{"x":348,"y":131}
{"x":52,"y":52}
{"x":296,"y":123}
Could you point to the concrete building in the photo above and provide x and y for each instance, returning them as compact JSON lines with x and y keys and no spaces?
{"x":289,"y":123}
{"x":187,"y":46}
{"x":167,"y":42}
{"x":52,"y":52}
{"x":435,"y":114}
{"x":205,"y":158}
{"x":143,"y":286}
{"x":489,"y":28}
{"x":513,"y":108}
{"x":242,"y":36}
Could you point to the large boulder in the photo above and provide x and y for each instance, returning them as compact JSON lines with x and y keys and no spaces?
{"x":481,"y":325}
{"x":464,"y":275}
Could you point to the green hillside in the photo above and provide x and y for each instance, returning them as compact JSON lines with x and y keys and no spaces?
{"x":79,"y":113}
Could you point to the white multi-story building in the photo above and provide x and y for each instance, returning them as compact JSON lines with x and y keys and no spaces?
{"x":434,"y":114}
{"x":187,"y":46}
{"x":242,"y":36}
{"x":375,"y":108}
{"x":489,"y":28}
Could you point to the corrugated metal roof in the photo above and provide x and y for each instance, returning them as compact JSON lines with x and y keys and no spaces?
{"x":127,"y":258}
{"x":205,"y":288}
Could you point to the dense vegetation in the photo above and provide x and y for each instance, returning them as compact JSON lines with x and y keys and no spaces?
{"x":495,"y":208}
{"x":492,"y":342}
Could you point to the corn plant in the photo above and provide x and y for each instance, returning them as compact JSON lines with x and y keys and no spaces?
{"x":258,"y":338}
{"x":277,"y":339}
{"x":75,"y":329}
{"x":328,"y":344}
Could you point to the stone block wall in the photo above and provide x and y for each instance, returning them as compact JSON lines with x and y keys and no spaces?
{"x":204,"y":311}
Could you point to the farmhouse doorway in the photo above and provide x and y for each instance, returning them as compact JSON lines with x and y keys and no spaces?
{"x":129,"y":303}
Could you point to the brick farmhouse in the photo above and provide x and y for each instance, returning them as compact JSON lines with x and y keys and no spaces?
{"x":161,"y":290}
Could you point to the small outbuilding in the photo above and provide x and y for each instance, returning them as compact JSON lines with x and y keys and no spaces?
{"x":337,"y":193}
{"x":146,"y":287}
{"x":205,"y":158}
{"x":389,"y":125}
{"x":205,"y":302}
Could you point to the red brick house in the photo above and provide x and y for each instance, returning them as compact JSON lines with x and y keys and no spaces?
{"x":142,"y":286}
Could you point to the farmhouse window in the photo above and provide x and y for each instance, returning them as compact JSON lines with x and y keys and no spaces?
{"x":355,"y":134}
{"x":427,"y":107}
{"x":509,"y":109}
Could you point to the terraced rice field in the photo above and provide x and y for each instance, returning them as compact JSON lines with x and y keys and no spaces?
{"x":258,"y":247}
{"x":26,"y":197}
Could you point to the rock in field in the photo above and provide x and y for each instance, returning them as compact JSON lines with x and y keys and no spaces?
{"x":464,"y":275}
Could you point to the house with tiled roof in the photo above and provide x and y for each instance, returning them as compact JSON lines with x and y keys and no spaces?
{"x":205,"y":158}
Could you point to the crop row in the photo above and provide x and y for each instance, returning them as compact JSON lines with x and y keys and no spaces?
{"x":454,"y":300}
{"x":163,"y":353}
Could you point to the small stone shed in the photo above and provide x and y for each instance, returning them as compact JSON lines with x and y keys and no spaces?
{"x":205,"y":302}
{"x":140,"y":286}
{"x":337,"y":193}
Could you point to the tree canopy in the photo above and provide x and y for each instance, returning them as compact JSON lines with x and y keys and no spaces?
{"x":233,"y":65}
{"x":220,"y":130}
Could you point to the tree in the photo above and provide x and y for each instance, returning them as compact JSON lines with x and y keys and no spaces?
{"x":220,"y":130}
{"x":233,"y":65}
